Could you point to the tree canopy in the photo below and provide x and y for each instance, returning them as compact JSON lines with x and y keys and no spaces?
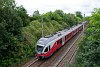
{"x":79,"y":14}
{"x":89,"y":49}
{"x":20,"y":32}
{"x":12,"y":19}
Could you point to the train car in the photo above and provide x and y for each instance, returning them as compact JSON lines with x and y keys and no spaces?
{"x":47,"y":45}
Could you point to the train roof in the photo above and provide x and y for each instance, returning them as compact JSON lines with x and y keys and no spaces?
{"x":45,"y":40}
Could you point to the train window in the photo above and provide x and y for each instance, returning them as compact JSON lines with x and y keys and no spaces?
{"x":65,"y":37}
{"x":60,"y":41}
{"x":57,"y":42}
{"x":39,"y":48}
{"x":68,"y":35}
{"x":49,"y":47}
{"x":46,"y":50}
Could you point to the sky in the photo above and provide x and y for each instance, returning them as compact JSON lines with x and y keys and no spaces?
{"x":68,"y":6}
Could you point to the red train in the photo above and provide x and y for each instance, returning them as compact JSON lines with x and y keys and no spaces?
{"x":47,"y":45}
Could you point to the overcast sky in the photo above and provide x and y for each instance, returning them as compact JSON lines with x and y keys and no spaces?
{"x":68,"y":6}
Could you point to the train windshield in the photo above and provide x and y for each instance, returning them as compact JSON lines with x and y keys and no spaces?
{"x":39,"y":49}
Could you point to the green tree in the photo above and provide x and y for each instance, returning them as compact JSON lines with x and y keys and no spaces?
{"x":71,"y":19}
{"x":60,"y":12}
{"x":79,"y":14}
{"x":12,"y":19}
{"x":58,"y":15}
{"x":36,"y":15}
{"x":23,"y":15}
{"x":89,"y":49}
{"x":48,"y":16}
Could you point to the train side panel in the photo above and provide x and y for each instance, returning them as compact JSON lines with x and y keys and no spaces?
{"x":60,"y":42}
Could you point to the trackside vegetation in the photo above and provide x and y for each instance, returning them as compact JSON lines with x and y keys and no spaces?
{"x":89,"y":49}
{"x":19,"y":32}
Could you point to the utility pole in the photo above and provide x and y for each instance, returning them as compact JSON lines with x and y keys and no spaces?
{"x":42,"y":27}
{"x":84,"y":17}
{"x":83,"y":21}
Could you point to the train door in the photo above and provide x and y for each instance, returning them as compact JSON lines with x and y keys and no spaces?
{"x":63,"y":40}
{"x":47,"y":49}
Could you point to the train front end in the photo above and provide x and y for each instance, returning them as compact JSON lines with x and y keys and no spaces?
{"x":40,"y":46}
{"x":39,"y":51}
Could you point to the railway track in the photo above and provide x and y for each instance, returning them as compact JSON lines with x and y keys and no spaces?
{"x":68,"y":55}
{"x":37,"y":63}
{"x":50,"y":62}
{"x":72,"y":57}
{"x":68,"y":58}
{"x":33,"y":62}
{"x":62,"y":58}
{"x":30,"y":62}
